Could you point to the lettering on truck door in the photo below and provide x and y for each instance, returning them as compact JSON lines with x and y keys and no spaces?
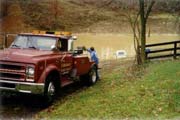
{"x":66,"y":63}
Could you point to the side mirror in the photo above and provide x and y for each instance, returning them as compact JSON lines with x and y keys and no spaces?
{"x":53,"y":47}
{"x":74,"y":37}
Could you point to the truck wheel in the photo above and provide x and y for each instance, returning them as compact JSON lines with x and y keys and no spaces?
{"x":51,"y":88}
{"x":92,"y":76}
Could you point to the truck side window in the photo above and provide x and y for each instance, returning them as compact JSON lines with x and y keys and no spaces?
{"x":59,"y":45}
{"x":64,"y":44}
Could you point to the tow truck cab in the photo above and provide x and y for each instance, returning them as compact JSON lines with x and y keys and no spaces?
{"x":42,"y":62}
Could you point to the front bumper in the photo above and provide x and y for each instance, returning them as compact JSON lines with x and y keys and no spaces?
{"x":23,"y":87}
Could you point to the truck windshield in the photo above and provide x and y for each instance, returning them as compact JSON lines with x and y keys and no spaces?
{"x":34,"y":42}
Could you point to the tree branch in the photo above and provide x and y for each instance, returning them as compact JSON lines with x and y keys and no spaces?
{"x":149,"y":9}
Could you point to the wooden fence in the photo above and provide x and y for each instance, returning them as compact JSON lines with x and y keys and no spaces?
{"x":5,"y":39}
{"x":173,"y":51}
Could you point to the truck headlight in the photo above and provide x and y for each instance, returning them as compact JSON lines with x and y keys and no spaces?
{"x":30,"y":71}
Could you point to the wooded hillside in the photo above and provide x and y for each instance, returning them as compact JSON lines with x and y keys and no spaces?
{"x":83,"y":15}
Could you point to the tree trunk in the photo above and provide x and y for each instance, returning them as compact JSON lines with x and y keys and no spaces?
{"x":143,"y":30}
{"x":144,"y":14}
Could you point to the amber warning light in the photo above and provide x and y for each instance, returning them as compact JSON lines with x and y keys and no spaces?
{"x":51,"y":32}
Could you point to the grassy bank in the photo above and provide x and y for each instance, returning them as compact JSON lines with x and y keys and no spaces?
{"x":151,"y":93}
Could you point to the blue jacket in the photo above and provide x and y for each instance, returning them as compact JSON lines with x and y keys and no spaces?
{"x":93,"y":55}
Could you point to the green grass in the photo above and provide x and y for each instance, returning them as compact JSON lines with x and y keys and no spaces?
{"x":154,"y":92}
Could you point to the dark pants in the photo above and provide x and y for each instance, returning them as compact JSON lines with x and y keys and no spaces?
{"x":97,"y":73}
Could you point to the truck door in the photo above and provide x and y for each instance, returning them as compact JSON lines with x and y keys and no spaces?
{"x":66,"y":63}
{"x":66,"y":59}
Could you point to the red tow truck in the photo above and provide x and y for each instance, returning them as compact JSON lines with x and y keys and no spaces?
{"x":43,"y":62}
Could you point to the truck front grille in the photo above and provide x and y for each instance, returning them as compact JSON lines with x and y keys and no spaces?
{"x":7,"y":85}
{"x":12,"y":71}
{"x":10,"y":67}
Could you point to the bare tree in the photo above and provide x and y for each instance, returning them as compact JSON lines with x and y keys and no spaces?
{"x":138,"y":21}
{"x":144,"y":11}
{"x":55,"y":10}
{"x":133,"y":18}
{"x":3,"y":8}
{"x":43,"y":14}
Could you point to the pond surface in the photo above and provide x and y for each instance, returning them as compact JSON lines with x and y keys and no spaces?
{"x":106,"y":45}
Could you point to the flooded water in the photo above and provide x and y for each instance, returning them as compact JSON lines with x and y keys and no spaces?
{"x":106,"y":45}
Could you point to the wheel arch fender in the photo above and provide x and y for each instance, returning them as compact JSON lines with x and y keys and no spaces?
{"x":51,"y":69}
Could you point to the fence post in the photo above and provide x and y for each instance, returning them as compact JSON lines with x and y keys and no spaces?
{"x":175,"y":50}
{"x":5,"y":40}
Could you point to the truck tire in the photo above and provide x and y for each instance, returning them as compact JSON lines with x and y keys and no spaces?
{"x":92,"y":76}
{"x":51,"y":88}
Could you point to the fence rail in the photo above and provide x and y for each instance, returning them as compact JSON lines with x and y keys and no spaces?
{"x":174,"y":50}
